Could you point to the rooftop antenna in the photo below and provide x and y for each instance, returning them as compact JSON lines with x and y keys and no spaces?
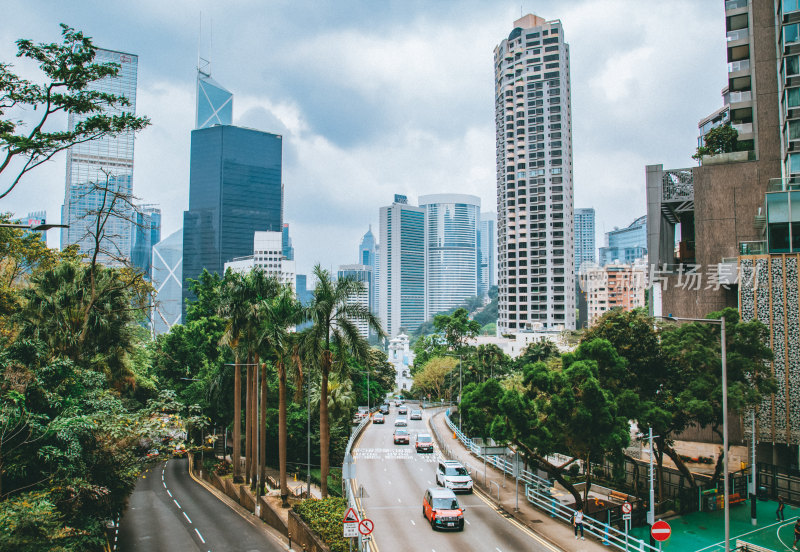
{"x":203,"y":64}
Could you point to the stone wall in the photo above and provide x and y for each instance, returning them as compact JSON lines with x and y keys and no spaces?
{"x":301,"y":535}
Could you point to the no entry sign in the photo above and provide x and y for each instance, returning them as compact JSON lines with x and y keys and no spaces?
{"x":661,"y":530}
{"x":366,"y":526}
{"x":626,"y":507}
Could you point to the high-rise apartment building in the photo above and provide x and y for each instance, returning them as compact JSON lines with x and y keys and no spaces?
{"x":584,"y":237}
{"x":625,"y":245}
{"x":92,"y":164}
{"x":451,"y":250}
{"x":234,"y":191}
{"x":616,"y":286}
{"x":401,"y":297}
{"x":536,"y":277}
{"x":146,"y":233}
{"x":360,"y":273}
{"x":487,"y":253}
{"x":167,"y":266}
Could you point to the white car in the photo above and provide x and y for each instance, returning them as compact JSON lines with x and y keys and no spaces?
{"x":400,"y":422}
{"x":453,"y":475}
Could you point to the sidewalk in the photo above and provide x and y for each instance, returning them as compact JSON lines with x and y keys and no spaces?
{"x":535,"y":520}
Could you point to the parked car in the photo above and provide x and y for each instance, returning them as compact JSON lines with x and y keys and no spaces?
{"x":401,"y":421}
{"x":400,"y":436}
{"x":424,"y":442}
{"x":453,"y":475}
{"x":416,"y":414}
{"x":440,"y":507}
{"x":377,"y":418}
{"x":385,"y":409}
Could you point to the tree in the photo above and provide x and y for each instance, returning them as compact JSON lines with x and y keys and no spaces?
{"x":720,"y":139}
{"x":70,"y":70}
{"x":457,"y":328}
{"x":332,"y":313}
{"x":431,"y":379}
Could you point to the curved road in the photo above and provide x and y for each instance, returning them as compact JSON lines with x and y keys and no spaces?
{"x":394,"y":478}
{"x":168,"y":511}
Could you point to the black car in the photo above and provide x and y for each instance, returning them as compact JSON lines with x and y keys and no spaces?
{"x":384,"y":409}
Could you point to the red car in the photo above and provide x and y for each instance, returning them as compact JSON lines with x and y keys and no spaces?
{"x":424,"y":443}
{"x":400,"y":436}
{"x":440,"y":507}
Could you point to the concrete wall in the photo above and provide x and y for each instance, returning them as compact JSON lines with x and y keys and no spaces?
{"x":301,"y":535}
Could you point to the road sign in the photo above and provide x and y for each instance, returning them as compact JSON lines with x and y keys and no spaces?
{"x":626,"y":507}
{"x":661,"y":530}
{"x":351,"y":516}
{"x":626,"y":516}
{"x":350,"y":524}
{"x":366,"y":526}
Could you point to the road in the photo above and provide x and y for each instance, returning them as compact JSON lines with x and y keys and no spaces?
{"x":168,"y":511}
{"x":394,"y":478}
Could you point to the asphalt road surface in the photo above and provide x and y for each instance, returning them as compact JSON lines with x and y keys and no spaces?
{"x":170,"y":512}
{"x":394,"y":479}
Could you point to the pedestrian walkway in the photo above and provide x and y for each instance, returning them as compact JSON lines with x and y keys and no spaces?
{"x":497,"y":483}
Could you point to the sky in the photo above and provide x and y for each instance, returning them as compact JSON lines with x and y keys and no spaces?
{"x":378,"y":98}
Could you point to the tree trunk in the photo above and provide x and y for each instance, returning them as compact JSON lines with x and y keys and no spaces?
{"x":675,"y":457}
{"x":660,"y":473}
{"x":247,"y":419}
{"x":553,"y":471}
{"x":587,"y":466}
{"x":324,"y":428}
{"x":237,"y":421}
{"x":263,"y":439}
{"x":282,"y":433}
{"x":254,"y":428}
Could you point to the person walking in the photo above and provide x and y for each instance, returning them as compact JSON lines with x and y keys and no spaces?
{"x":577,"y":522}
{"x":779,"y":511}
{"x":796,"y":533}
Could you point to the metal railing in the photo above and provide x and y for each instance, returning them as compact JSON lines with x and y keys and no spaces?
{"x":537,"y":492}
{"x":364,"y":544}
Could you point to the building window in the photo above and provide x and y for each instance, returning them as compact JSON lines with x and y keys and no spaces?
{"x":793,"y":97}
{"x":792,"y":65}
{"x":791,"y":34}
{"x":790,"y":6}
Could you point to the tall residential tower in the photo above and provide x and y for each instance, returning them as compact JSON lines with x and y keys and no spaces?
{"x":536,"y":277}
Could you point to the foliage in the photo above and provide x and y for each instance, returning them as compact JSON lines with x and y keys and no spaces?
{"x":456,"y":329}
{"x":70,"y":69}
{"x":430,"y":380}
{"x":720,"y":139}
{"x":324,"y":517}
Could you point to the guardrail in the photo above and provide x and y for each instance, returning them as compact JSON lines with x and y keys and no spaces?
{"x":363,"y":544}
{"x":537,"y":492}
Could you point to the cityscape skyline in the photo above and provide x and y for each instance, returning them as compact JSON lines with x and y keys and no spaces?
{"x":432,"y":151}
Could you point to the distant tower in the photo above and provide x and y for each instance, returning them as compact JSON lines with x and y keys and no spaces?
{"x":584,"y":237}
{"x":146,"y":234}
{"x":368,"y":255}
{"x":286,"y":243}
{"x":487,"y":253}
{"x":166,"y":278}
{"x":214,"y":102}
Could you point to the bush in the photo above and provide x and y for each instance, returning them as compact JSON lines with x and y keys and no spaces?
{"x":325,"y":519}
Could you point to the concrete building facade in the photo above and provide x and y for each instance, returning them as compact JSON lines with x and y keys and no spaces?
{"x":535,"y":240}
{"x":363,"y":274}
{"x":614,"y":286}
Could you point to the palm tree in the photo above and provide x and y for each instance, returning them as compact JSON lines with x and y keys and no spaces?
{"x":280,"y":315}
{"x":333,"y":312}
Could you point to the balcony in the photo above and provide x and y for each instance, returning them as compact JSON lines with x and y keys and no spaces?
{"x":752,"y":248}
{"x":739,"y":34}
{"x":739,"y":97}
{"x":784,"y":184}
{"x":741,"y":65}
{"x":743,"y":128}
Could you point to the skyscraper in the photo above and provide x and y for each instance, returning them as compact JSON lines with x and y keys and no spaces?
{"x":214,"y":103}
{"x":90,"y":164}
{"x":584,"y":237}
{"x":368,"y":255}
{"x":146,"y":234}
{"x":487,"y":253}
{"x":625,"y":245}
{"x":360,"y":273}
{"x":286,"y":243}
{"x":451,"y":250}
{"x":234,"y":191}
{"x":536,"y":277}
{"x":166,"y":278}
{"x":401,"y":298}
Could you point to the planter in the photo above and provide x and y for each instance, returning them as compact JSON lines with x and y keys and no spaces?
{"x":302,"y":535}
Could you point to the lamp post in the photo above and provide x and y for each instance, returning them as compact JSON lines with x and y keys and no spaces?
{"x":726,"y":484}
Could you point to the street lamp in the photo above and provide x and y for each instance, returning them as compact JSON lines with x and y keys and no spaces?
{"x":726,"y":490}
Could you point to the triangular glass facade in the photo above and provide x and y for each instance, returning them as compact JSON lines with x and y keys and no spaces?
{"x":214,"y":103}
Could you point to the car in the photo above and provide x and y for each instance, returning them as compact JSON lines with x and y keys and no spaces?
{"x":440,"y":507}
{"x":385,"y":409}
{"x":423,"y":442}
{"x":398,"y":402}
{"x":416,"y":415}
{"x":453,"y":475}
{"x":400,"y":436}
{"x":153,"y":453}
{"x":402,"y":411}
{"x":401,"y":421}
{"x":377,"y":418}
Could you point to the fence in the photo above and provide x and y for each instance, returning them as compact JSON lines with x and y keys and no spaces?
{"x":364,"y":543}
{"x":537,"y":492}
{"x":774,"y":481}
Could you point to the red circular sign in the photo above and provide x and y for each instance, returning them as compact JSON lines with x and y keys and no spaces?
{"x":661,"y":530}
{"x":626,"y":507}
{"x":366,"y":526}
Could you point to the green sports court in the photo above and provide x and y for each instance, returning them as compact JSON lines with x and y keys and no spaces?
{"x":705,"y":531}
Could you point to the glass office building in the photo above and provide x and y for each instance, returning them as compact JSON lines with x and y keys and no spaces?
{"x":625,"y":245}
{"x":451,"y":250}
{"x":214,"y":102}
{"x":167,"y":263}
{"x":368,"y":255}
{"x":584,"y":237}
{"x":146,"y":233}
{"x":89,"y":165}
{"x":487,"y":253}
{"x":401,"y":295}
{"x":234,"y":191}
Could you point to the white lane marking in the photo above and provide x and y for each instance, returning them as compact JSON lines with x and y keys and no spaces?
{"x":162,"y":476}
{"x":165,"y":485}
{"x":389,"y":482}
{"x":412,"y":522}
{"x":498,"y":550}
{"x":468,"y":523}
{"x":169,"y":493}
{"x":398,"y":500}
{"x":189,"y":520}
{"x":430,"y":483}
{"x":199,"y":535}
{"x":176,"y":504}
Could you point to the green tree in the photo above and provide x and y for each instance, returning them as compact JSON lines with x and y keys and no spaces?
{"x":69,"y":68}
{"x":720,"y":139}
{"x":457,"y":328}
{"x":431,"y":379}
{"x":332,"y":313}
